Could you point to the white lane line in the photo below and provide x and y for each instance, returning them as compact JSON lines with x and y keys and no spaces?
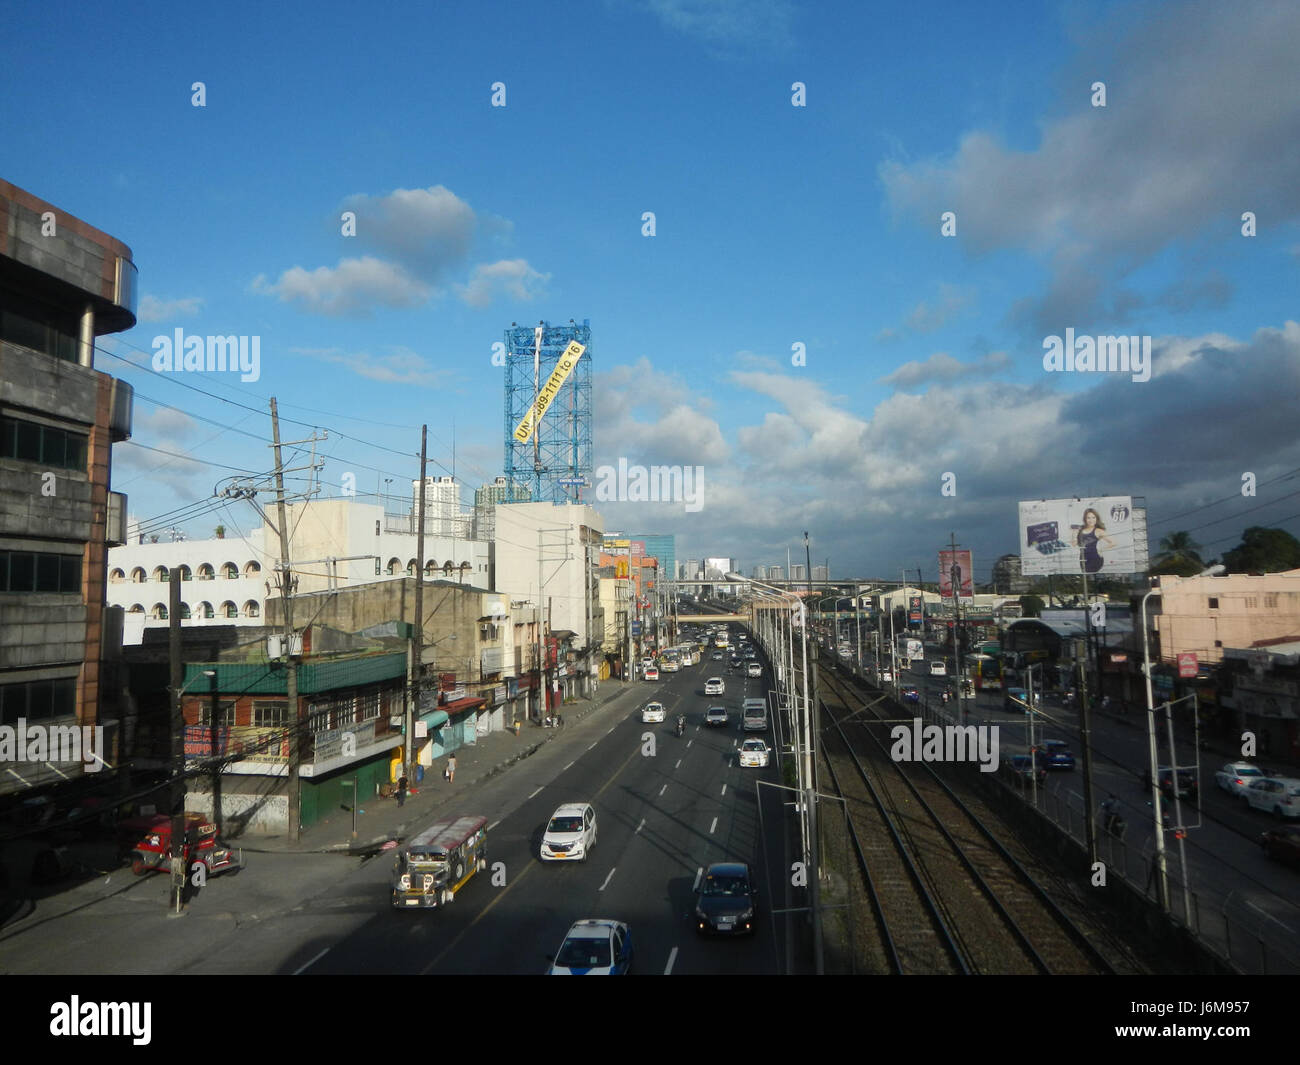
{"x":724,"y":789}
{"x":672,"y":957}
{"x":713,"y":826}
{"x":314,"y":960}
{"x":608,"y":879}
{"x":663,"y":789}
{"x":609,"y":730}
{"x":591,"y":747}
{"x":679,"y":764}
{"x":699,"y":872}
{"x":568,"y":767}
{"x":689,"y":742}
{"x":493,"y":825}
{"x":642,"y":824}
{"x":537,"y":792}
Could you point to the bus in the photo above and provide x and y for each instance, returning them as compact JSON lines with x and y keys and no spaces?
{"x":984,"y":671}
{"x":437,"y":863}
{"x":910,"y":649}
{"x":720,"y":640}
{"x":671,"y":660}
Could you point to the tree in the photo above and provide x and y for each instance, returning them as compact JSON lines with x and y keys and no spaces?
{"x":1030,"y":606}
{"x":220,"y":530}
{"x":1179,"y":555}
{"x":1263,"y":551}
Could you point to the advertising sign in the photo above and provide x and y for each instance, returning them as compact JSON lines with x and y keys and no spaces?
{"x":549,"y":391}
{"x":1095,"y":535}
{"x":914,"y":609}
{"x":961,"y":559}
{"x":1187,"y":664}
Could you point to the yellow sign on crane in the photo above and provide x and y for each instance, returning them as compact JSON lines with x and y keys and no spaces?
{"x":559,"y":375}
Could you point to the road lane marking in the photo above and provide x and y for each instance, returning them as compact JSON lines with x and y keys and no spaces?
{"x":679,"y":764}
{"x":713,"y":826}
{"x":642,"y":824}
{"x":493,"y":825}
{"x":663,"y":789}
{"x":699,"y":872}
{"x":724,"y":789}
{"x":608,"y":879}
{"x":592,"y":747}
{"x":314,"y":960}
{"x":689,"y":742}
{"x":672,"y":957}
{"x":537,"y":792}
{"x":568,"y":767}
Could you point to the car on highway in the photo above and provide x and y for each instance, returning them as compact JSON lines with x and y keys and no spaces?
{"x":1282,"y":844}
{"x":1057,"y":755}
{"x":714,"y":686}
{"x":1279,"y":796}
{"x":717,"y":715}
{"x":717,"y":656}
{"x":570,"y":834}
{"x":653,"y":712}
{"x":910,"y":694}
{"x":726,"y":902}
{"x":755,"y":753}
{"x":651,"y":673}
{"x":594,"y":946}
{"x":753,"y":670}
{"x":886,"y":676}
{"x":1019,"y":768}
{"x":1236,"y":777}
{"x":938,"y":668}
{"x":1187,"y":786}
{"x":736,"y":661}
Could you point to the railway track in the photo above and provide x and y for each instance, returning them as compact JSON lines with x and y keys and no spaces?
{"x":946,"y":896}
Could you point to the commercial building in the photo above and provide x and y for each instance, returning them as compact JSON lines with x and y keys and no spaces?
{"x":62,"y":284}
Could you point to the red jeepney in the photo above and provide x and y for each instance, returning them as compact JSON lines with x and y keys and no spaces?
{"x":149,"y":841}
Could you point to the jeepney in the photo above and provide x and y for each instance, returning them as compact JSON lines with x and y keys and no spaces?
{"x":437,"y":863}
{"x":148,"y":840}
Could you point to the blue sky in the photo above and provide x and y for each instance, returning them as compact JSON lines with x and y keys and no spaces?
{"x":776,"y":225}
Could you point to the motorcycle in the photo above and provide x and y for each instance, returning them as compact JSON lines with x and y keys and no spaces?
{"x":681,"y":726}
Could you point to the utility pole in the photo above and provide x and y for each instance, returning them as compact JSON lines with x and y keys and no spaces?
{"x":417,"y":630}
{"x":178,"y":741}
{"x":1085,"y":725}
{"x":955,"y":578}
{"x":291,"y":662}
{"x":541,"y":661}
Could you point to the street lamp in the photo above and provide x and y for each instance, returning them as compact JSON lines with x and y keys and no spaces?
{"x":1157,"y":819}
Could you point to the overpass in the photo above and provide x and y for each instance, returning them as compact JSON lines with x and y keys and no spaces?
{"x":683,"y":619}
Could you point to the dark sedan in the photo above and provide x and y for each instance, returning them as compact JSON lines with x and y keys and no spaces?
{"x":726,"y":900}
{"x":1282,"y":844}
{"x":1057,"y":755}
{"x":910,"y":695}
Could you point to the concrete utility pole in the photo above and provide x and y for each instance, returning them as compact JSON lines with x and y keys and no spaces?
{"x":291,"y":662}
{"x":417,"y":629}
{"x":178,"y":740}
{"x":955,"y":578}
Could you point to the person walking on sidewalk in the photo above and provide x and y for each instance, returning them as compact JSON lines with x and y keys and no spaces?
{"x":451,"y":769}
{"x":401,"y":790}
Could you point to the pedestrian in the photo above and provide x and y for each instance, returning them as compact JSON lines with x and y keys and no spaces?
{"x":451,"y":769}
{"x":401,"y":790}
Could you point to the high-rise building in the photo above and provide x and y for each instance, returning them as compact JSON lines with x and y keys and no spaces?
{"x":776,"y":573}
{"x":1007,"y":578}
{"x":821,"y":573}
{"x":62,"y":284}
{"x":486,"y":500}
{"x":662,"y":546}
{"x":760,"y":573}
{"x":442,"y":512}
{"x":798,"y":572}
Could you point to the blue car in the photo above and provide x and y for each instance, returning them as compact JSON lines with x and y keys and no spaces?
{"x":1057,"y":755}
{"x":911,"y":695}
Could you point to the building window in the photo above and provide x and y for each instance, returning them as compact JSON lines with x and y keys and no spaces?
{"x":251,"y":609}
{"x":117,"y":576}
{"x":30,"y":571}
{"x":205,"y":572}
{"x":162,"y":574}
{"x":1214,"y":602}
{"x":159,"y":612}
{"x":367,"y":706}
{"x":269,"y":714}
{"x":225,"y":712}
{"x":39,"y":700}
{"x":1251,"y":602}
{"x":38,"y":328}
{"x":1270,"y":601}
{"x":185,"y":612}
{"x":230,"y":571}
{"x":252,"y":569}
{"x":229,"y":609}
{"x":205,"y":610}
{"x":138,"y":575}
{"x":186,"y":575}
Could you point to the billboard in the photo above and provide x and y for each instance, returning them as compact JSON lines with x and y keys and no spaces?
{"x":549,"y":391}
{"x":915,"y":609}
{"x":961,"y":559}
{"x":1097,"y":535}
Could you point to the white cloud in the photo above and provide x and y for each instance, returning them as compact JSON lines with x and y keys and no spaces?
{"x":513,"y":277}
{"x":153,"y":309}
{"x":352,"y":287}
{"x":429,"y":231}
{"x":400,"y":366}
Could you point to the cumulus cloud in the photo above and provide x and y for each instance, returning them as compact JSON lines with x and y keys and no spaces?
{"x":428,"y":231}
{"x":942,"y":367}
{"x":153,"y":309}
{"x":355,"y":286}
{"x":727,"y":24}
{"x":1176,"y":152}
{"x":513,"y":277}
{"x":400,"y":366}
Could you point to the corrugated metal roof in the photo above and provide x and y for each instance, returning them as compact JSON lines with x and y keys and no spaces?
{"x":270,"y":678}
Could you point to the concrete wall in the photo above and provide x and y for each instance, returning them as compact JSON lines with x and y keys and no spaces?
{"x":1250,"y":608}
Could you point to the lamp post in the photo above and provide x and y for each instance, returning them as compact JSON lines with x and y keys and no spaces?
{"x":1157,"y":818}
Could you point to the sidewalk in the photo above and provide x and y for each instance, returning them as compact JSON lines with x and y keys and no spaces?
{"x":381,"y":820}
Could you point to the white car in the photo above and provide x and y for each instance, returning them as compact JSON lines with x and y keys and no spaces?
{"x":653,"y":712}
{"x":754,"y":753}
{"x":570,"y":834}
{"x":594,"y":947}
{"x":1275,"y":795}
{"x":714,"y":686}
{"x":753,"y":670}
{"x":886,"y":677}
{"x":1236,"y":777}
{"x":938,"y":669}
{"x":651,"y":673}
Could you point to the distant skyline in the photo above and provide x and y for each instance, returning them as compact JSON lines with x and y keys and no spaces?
{"x":858,"y":273}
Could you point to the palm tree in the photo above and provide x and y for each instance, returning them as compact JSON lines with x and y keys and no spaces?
{"x":1178,"y":551}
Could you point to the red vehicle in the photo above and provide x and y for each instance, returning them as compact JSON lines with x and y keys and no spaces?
{"x":149,"y":841}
